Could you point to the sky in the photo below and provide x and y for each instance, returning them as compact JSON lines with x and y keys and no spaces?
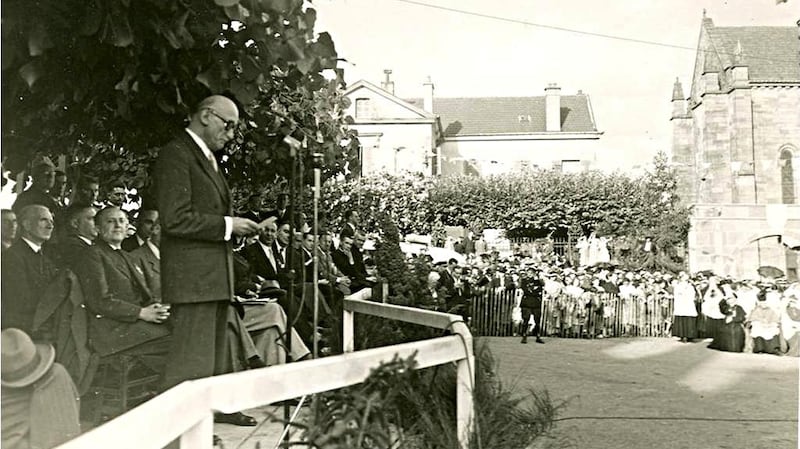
{"x":629,"y":83}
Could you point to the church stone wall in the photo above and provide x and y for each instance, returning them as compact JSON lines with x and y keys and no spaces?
{"x":721,"y":238}
{"x":776,"y":122}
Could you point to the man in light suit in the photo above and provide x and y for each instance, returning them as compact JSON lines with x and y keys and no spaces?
{"x":197,"y":224}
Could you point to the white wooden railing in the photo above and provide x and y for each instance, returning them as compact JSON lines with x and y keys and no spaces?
{"x":186,"y":411}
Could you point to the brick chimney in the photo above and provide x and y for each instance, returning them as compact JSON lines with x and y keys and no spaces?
{"x":427,"y":95}
{"x":388,"y":84}
{"x":552,"y":108}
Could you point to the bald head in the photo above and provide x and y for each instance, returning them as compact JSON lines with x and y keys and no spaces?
{"x":215,"y":121}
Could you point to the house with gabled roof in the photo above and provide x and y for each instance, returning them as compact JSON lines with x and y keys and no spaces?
{"x":736,"y":147}
{"x":395,"y":135}
{"x":493,"y":135}
{"x":479,"y":136}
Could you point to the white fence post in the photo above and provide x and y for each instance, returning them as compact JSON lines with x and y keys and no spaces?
{"x":347,"y":334}
{"x":464,"y":404}
{"x":201,"y":435}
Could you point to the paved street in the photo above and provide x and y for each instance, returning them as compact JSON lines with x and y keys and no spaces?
{"x":658,"y":393}
{"x":637,"y":393}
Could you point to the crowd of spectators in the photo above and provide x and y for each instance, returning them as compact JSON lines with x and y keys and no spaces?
{"x":738,"y":315}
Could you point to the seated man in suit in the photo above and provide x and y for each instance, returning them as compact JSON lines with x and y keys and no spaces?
{"x":44,"y":176}
{"x":125,"y":315}
{"x":281,"y":208}
{"x":265,"y":257}
{"x":27,"y":269}
{"x":351,"y":221}
{"x":253,"y":209}
{"x":80,"y":235}
{"x":327,"y":269}
{"x":8,"y":233}
{"x":148,"y":254}
{"x":346,"y":262}
{"x":145,"y":221}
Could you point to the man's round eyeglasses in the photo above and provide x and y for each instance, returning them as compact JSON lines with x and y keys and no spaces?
{"x":229,"y":124}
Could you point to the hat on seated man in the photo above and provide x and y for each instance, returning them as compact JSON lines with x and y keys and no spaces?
{"x":40,"y":401}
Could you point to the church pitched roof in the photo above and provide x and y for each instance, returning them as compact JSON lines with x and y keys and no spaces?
{"x":771,"y":53}
{"x":510,"y":115}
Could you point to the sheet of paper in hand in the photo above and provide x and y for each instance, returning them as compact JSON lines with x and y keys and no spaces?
{"x":256,"y":301}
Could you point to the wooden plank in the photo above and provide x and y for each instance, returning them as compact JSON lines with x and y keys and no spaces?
{"x":247,"y":389}
{"x":201,"y":435}
{"x":164,"y":417}
{"x":414,"y":315}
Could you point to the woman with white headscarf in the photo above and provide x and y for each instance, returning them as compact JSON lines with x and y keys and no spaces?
{"x":714,"y":318}
{"x":684,"y":324}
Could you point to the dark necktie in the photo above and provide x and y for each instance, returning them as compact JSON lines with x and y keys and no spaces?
{"x":39,"y":261}
{"x":279,"y":256}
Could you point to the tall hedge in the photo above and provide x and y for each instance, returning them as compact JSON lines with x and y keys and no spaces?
{"x":547,"y":200}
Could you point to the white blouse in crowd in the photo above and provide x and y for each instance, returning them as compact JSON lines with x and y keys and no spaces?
{"x":746,"y":298}
{"x":711,"y":303}
{"x":765,"y":321}
{"x":685,"y":295}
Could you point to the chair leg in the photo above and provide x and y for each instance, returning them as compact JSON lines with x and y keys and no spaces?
{"x":123,"y":388}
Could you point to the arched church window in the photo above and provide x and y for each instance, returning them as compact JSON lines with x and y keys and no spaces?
{"x":788,"y":181}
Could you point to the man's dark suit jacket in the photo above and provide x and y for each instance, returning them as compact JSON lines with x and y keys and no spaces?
{"x":347,"y":231}
{"x":253,"y":215}
{"x":115,"y":290}
{"x":71,"y":252}
{"x":131,"y":243}
{"x":280,"y":215}
{"x":259,"y":263}
{"x":358,"y":262}
{"x":25,"y":275}
{"x":151,"y":265}
{"x":358,"y":278}
{"x":196,"y":261}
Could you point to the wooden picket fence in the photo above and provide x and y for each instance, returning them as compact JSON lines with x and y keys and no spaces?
{"x":590,"y":316}
{"x":491,"y":313}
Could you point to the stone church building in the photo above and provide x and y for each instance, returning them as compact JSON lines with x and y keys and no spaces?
{"x":736,"y":146}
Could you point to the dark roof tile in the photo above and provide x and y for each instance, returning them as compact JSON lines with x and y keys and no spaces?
{"x":509,"y":115}
{"x":771,"y":53}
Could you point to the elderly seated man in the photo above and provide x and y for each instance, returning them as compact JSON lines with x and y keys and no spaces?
{"x":125,"y":316}
{"x":27,"y":269}
{"x":266,"y":258}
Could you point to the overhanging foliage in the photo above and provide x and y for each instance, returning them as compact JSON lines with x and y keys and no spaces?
{"x":104,"y":82}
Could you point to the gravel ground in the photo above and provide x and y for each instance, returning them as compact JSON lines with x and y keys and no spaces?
{"x":657,"y":393}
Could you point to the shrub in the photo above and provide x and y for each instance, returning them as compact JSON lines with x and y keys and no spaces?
{"x":399,"y":407}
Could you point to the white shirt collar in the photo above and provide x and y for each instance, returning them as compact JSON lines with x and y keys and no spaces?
{"x":115,"y":246}
{"x":85,"y":240}
{"x":140,"y":241}
{"x":203,"y":147}
{"x":36,"y":248}
{"x":156,"y":250}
